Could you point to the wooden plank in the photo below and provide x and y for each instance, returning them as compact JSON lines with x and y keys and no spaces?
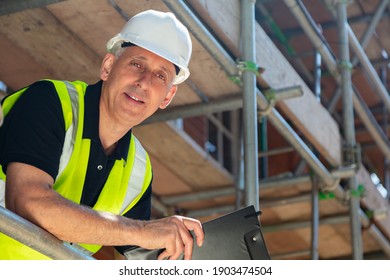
{"x":179,"y":153}
{"x":93,"y":22}
{"x":13,"y":6}
{"x":165,"y":182}
{"x":284,"y":242}
{"x":38,"y":33}
{"x":374,"y":201}
{"x":14,"y":73}
{"x":334,"y":241}
{"x":322,"y":131}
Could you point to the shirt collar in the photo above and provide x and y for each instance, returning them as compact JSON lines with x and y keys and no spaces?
{"x":91,"y":122}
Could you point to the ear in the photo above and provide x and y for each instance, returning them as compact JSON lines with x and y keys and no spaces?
{"x":168,"y":98}
{"x":106,"y":66}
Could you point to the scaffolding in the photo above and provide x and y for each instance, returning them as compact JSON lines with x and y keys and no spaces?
{"x":257,"y":109}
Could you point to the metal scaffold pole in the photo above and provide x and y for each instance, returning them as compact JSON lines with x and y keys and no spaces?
{"x":249,"y":105}
{"x":315,"y":215}
{"x":38,"y":239}
{"x":349,"y":128}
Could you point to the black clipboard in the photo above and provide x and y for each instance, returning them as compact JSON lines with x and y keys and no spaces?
{"x":234,"y":236}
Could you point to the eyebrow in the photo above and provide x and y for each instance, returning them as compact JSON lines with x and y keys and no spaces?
{"x":143,"y":58}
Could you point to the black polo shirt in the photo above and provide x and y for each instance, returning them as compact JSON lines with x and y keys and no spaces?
{"x":34,"y":132}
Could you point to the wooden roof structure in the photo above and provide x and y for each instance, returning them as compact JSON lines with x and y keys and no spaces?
{"x":193,"y":143}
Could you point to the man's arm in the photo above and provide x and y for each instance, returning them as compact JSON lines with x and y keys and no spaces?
{"x":29,"y":194}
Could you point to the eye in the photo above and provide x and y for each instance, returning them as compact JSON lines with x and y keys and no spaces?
{"x":136,"y":65}
{"x":161,"y":76}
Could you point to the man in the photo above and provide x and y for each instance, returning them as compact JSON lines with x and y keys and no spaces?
{"x":70,"y":163}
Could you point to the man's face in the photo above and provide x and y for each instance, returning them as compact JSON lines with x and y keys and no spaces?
{"x":136,"y":85}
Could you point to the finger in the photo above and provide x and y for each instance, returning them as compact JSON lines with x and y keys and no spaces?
{"x":174,"y":252}
{"x":170,"y":248}
{"x":179,"y":250}
{"x":195,"y":226}
{"x":164,"y":255}
{"x":187,"y":241}
{"x":188,"y":246}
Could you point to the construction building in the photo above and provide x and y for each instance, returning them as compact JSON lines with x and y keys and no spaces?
{"x":287,"y":109}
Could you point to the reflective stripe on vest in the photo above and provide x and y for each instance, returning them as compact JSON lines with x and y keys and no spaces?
{"x":125,"y":185}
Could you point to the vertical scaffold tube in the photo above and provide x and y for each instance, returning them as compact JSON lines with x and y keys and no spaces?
{"x":251,"y":177}
{"x":349,"y":128}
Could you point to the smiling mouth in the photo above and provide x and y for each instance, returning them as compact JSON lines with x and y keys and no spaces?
{"x":135,"y":98}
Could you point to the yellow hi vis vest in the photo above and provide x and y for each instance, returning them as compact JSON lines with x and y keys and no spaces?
{"x":126,"y":183}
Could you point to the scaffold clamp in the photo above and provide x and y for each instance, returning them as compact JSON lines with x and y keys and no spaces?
{"x":270,"y":96}
{"x":330,"y":188}
{"x":359,"y":192}
{"x":244,"y":65}
{"x":345,"y":65}
{"x":352,"y":155}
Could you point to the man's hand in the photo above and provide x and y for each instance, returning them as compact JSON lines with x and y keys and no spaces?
{"x":173,"y":235}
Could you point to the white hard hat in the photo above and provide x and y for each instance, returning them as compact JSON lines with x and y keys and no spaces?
{"x":160,"y":33}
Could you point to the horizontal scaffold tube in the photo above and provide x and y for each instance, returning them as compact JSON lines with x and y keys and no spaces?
{"x":37,"y":238}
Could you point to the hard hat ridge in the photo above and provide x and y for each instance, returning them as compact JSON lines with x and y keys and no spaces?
{"x":160,"y":33}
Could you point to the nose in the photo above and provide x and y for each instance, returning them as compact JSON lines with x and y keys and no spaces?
{"x":144,"y":79}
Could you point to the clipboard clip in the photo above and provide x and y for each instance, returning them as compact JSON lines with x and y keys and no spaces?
{"x":254,"y":214}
